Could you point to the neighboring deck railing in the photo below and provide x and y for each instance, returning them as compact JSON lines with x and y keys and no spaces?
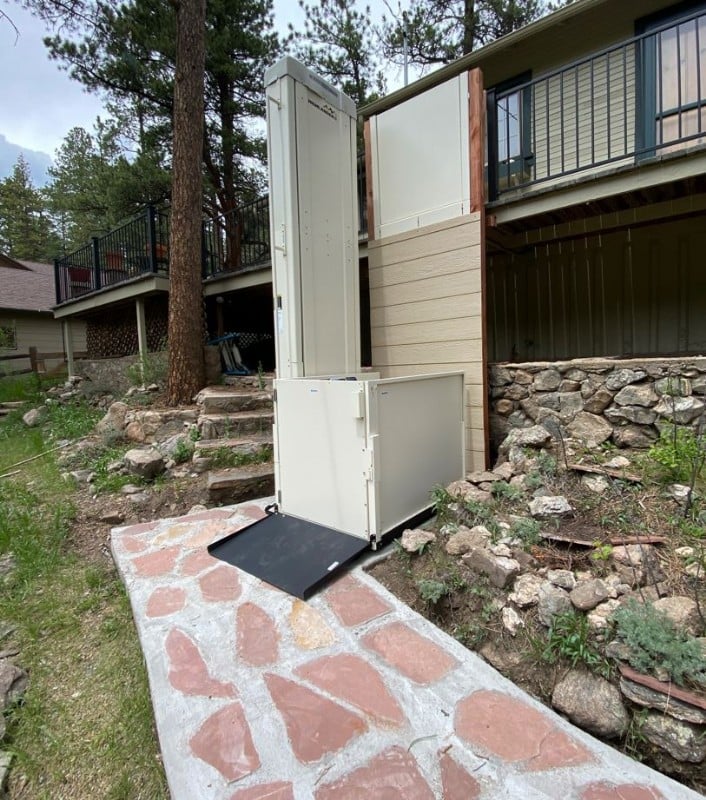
{"x":136,"y":247}
{"x":231,"y":243}
{"x":637,"y":99}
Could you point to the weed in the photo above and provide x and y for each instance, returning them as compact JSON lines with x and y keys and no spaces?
{"x":194,"y":433}
{"x":503,"y":491}
{"x":680,"y":452}
{"x":634,"y":737}
{"x":150,"y":369}
{"x":546,"y":463}
{"x":223,"y":457}
{"x":442,"y":501}
{"x":183,"y":450}
{"x":533,"y":480}
{"x":602,"y":552}
{"x":260,"y":377}
{"x":527,"y":530}
{"x":474,"y":513}
{"x":432,"y":591}
{"x":568,"y":638}
{"x":656,"y":644}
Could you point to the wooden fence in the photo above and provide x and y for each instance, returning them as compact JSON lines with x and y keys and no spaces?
{"x":37,"y":361}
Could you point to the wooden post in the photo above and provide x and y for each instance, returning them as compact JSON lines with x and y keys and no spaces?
{"x":141,"y":335}
{"x":68,"y":332}
{"x":476,"y":126}
{"x":477,"y":132}
{"x":369,"y":180}
{"x":33,"y":361}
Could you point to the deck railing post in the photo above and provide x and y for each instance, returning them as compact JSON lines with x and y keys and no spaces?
{"x":97,"y":283}
{"x":152,"y":238}
{"x":57,"y":282}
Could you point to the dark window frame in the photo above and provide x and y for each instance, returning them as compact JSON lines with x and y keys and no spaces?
{"x":9,"y":331}
{"x":525,"y":160}
{"x":646,"y":110}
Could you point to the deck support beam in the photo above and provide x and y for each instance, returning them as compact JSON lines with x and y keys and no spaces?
{"x":141,"y":335}
{"x":68,"y":334}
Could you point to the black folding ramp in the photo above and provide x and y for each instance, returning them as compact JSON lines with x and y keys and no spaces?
{"x":290,"y":553}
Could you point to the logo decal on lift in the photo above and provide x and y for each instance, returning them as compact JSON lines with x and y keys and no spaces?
{"x":325,"y":108}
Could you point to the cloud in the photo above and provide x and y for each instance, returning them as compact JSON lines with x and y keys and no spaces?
{"x":38,"y":161}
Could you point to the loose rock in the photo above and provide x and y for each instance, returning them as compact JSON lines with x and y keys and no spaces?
{"x":592,"y":703}
{"x":500,"y":570}
{"x":588,"y":594}
{"x":550,"y":507}
{"x":465,"y":539}
{"x":661,"y":701}
{"x":525,"y":590}
{"x":147,"y":463}
{"x":682,"y":611}
{"x":512,"y":621}
{"x":551,"y":602}
{"x":683,"y":741}
{"x":563,"y":578}
{"x":414,"y":541}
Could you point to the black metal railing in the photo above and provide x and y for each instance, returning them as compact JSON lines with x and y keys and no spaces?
{"x":632,"y":101}
{"x":136,"y":247}
{"x":232,"y":242}
{"x":237,"y":240}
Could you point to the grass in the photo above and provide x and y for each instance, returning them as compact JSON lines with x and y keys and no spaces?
{"x":85,"y":727}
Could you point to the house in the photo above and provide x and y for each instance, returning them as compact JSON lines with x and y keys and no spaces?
{"x":539,"y":200}
{"x":543,"y":199}
{"x":26,"y":318}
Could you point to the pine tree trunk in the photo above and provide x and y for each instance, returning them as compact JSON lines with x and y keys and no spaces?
{"x":186,"y":361}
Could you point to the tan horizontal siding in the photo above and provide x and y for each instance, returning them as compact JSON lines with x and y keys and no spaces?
{"x":426,"y":312}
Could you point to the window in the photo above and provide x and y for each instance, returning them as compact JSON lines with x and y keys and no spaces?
{"x":510,"y":150}
{"x":674,"y":84}
{"x":8,"y":337}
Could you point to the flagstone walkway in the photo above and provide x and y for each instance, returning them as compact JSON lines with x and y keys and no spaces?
{"x":349,"y":696}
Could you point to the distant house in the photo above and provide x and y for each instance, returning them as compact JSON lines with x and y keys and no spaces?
{"x":27,"y":294}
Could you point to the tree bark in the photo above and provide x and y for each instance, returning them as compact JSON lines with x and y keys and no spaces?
{"x":186,"y":325}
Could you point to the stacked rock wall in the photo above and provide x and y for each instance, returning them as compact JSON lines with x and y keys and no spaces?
{"x":597,"y":400}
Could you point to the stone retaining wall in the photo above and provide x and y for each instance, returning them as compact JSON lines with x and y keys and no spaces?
{"x":596,"y":400}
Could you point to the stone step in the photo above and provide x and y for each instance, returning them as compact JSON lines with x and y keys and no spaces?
{"x":241,"y":483}
{"x":226,"y":400}
{"x":247,"y":445}
{"x":261,"y":383}
{"x":239,"y":425}
{"x":10,"y":404}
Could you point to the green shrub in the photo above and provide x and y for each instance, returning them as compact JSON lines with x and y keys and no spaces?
{"x":568,"y":638}
{"x":183,"y":450}
{"x":656,"y":644}
{"x":501,"y":490}
{"x":680,"y":453}
{"x":432,"y":591}
{"x":527,"y":530}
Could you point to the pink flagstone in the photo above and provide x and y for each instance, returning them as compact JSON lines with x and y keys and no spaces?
{"x":352,"y":679}
{"x":410,"y":653}
{"x":625,"y":791}
{"x":266,"y":791}
{"x":133,"y":544}
{"x":141,"y":527}
{"x":224,"y":741}
{"x":188,"y":671}
{"x":456,"y":783}
{"x":315,"y":725}
{"x":196,"y":562}
{"x":514,"y":731}
{"x":254,"y":512}
{"x":214,"y":513}
{"x":220,"y":584}
{"x":393,"y":775}
{"x":354,"y":603}
{"x":158,"y":563}
{"x":165,"y":600}
{"x":257,"y":637}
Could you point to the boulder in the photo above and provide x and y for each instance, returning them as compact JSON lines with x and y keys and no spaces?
{"x":414,"y":541}
{"x":13,"y":684}
{"x":682,"y":740}
{"x":512,"y":621}
{"x":503,"y":472}
{"x":598,"y":484}
{"x":536,"y":436}
{"x":592,"y":703}
{"x":500,"y":570}
{"x":114,"y":420}
{"x":633,"y":437}
{"x":147,"y":463}
{"x":617,"y":462}
{"x":599,"y":618}
{"x":636,"y":414}
{"x":547,"y":380}
{"x":662,"y":701}
{"x":551,"y":601}
{"x":499,"y":376}
{"x":671,"y":386}
{"x":34,"y":416}
{"x":467,"y":491}
{"x":643,"y":395}
{"x":682,"y":410}
{"x":465,"y":539}
{"x":589,"y":428}
{"x":622,"y":377}
{"x":597,"y":402}
{"x":550,"y":507}
{"x":504,"y":407}
{"x":588,"y":594}
{"x":563,"y":578}
{"x":682,"y":611}
{"x":525,"y":590}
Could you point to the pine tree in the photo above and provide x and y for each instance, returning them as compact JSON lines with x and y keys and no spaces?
{"x":26,"y":229}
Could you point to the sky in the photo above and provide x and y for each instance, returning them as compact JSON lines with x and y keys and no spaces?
{"x":39,"y":103}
